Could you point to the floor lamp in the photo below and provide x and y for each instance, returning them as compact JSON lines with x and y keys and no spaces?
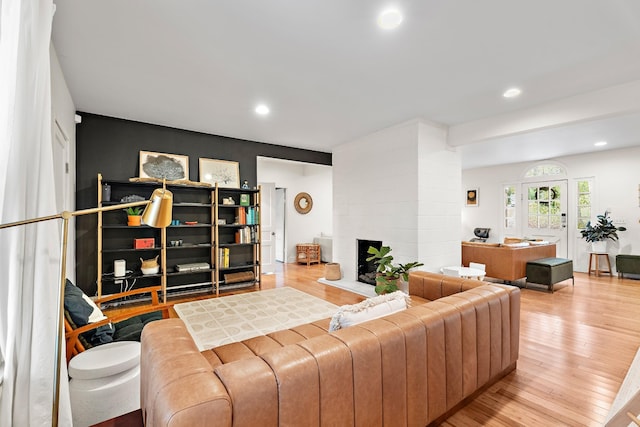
{"x":157,"y":213}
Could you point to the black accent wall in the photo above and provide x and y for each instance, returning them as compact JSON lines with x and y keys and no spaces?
{"x":111,"y":146}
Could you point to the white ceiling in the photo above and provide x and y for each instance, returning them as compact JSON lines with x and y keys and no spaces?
{"x":331,"y":76}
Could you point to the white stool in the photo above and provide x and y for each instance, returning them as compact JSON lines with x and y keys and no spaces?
{"x":105,"y":382}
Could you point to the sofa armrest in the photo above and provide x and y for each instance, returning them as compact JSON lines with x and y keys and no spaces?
{"x":177,"y":383}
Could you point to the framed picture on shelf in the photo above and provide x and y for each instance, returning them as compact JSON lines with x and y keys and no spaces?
{"x":163,"y":166}
{"x":225,"y":173}
{"x":472,"y":197}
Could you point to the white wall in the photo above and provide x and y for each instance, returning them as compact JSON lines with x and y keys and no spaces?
{"x":299,"y":177}
{"x":439,"y":181}
{"x":616,"y":175}
{"x":388,"y":186}
{"x":63,"y":112}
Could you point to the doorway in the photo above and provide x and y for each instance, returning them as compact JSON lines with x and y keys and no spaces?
{"x":545,"y":213}
{"x":289,"y":226}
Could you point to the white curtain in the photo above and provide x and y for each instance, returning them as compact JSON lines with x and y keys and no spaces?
{"x":29,"y":255}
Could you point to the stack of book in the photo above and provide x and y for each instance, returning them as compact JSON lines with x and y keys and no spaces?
{"x":241,"y":216}
{"x":252,"y":217}
{"x":245,"y":235}
{"x":223,"y":258}
{"x":247,"y":215}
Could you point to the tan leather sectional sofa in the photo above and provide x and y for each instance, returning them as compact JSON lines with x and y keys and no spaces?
{"x":412,"y":368}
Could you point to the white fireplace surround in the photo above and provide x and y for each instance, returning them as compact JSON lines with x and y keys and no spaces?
{"x":401,"y":185}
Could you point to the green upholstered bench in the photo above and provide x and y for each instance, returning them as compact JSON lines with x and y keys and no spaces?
{"x":629,"y":264}
{"x":549,"y":271}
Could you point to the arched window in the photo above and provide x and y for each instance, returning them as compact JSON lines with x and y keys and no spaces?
{"x":545,"y":170}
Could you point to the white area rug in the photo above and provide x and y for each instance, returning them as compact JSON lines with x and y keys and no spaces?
{"x":216,"y":321}
{"x":350,"y":285}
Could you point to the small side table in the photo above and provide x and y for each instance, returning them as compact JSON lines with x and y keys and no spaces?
{"x":308,"y":253}
{"x":594,"y":260}
{"x":105,"y":382}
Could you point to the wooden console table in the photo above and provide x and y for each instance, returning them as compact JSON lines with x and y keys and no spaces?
{"x":505,"y":262}
{"x":308,"y":253}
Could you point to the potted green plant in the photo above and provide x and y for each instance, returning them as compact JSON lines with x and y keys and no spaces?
{"x":598,"y":233}
{"x":133,"y":215}
{"x":389,"y":274}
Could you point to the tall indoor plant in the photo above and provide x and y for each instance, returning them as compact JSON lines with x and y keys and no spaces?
{"x":597,"y":234}
{"x":388,"y":273}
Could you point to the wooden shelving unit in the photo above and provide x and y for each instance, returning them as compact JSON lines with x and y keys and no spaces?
{"x":200,"y":241}
{"x":237,"y":233}
{"x":116,"y":240}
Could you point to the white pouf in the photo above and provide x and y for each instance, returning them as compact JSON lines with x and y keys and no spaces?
{"x":105,"y":382}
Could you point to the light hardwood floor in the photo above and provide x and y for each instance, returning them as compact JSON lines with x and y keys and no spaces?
{"x":575,"y":348}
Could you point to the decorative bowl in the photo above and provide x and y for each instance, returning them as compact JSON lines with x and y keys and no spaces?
{"x":151,"y":270}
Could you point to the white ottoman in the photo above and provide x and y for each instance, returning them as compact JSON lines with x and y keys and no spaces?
{"x":105,"y":382}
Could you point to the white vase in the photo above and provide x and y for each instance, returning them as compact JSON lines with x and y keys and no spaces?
{"x":599,"y":247}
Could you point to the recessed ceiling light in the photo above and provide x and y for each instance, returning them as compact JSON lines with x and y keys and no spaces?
{"x":389,"y":19}
{"x":600,"y":143}
{"x":262,"y":110}
{"x":512,"y":93}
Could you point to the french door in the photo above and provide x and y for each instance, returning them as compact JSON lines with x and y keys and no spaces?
{"x":545,"y":213}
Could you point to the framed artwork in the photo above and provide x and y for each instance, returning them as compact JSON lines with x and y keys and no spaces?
{"x":472,"y":197}
{"x":224,"y":172}
{"x":163,"y":166}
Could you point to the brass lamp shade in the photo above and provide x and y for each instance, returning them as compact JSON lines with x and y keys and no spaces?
{"x":158,"y":212}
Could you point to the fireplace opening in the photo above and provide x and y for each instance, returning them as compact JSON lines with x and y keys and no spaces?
{"x":366,"y":269}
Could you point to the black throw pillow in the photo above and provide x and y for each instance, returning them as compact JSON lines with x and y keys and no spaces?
{"x":78,"y":308}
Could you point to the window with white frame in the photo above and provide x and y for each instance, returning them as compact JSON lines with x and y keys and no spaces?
{"x":584,"y":203}
{"x":509,"y":201}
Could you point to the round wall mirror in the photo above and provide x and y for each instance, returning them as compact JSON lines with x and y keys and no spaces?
{"x":303,"y":203}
